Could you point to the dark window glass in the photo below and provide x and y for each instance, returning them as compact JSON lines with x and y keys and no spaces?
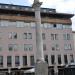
{"x":24,"y":60}
{"x":15,"y":36}
{"x":46,"y":58}
{"x":1,"y":61}
{"x":12,"y":35}
{"x":68,"y":36}
{"x":32,"y":60}
{"x":65,"y":59}
{"x":9,"y":61}
{"x":43,"y":36}
{"x":25,"y":35}
{"x":59,"y":59}
{"x":54,"y":25}
{"x":71,"y":58}
{"x":29,"y":35}
{"x":28,"y":47}
{"x":17,"y":61}
{"x":53,"y":48}
{"x":54,"y":36}
{"x":52,"y":59}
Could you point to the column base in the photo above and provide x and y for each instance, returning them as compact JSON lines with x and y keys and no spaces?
{"x":41,"y":68}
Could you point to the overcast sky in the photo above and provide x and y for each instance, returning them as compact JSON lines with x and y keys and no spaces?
{"x":63,"y":6}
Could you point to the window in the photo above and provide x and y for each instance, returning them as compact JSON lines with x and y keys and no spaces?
{"x":12,"y":47}
{"x":42,"y":25}
{"x":67,"y":26}
{"x":0,"y":48}
{"x":12,"y":35}
{"x":6,"y":7}
{"x":59,"y":26}
{"x":13,"y":7}
{"x":65,"y":59}
{"x":12,"y":23}
{"x":71,"y":58}
{"x":1,"y":61}
{"x":55,"y":47}
{"x":54,"y":25}
{"x":44,"y":46}
{"x":4,"y":23}
{"x":67,"y":47}
{"x":28,"y":47}
{"x":20,"y":23}
{"x":54,"y":36}
{"x":17,"y":61}
{"x":45,"y":25}
{"x":66,"y":36}
{"x":26,"y":9}
{"x":24,"y":60}
{"x":0,"y":35}
{"x":32,"y":60}
{"x":43,"y":36}
{"x":52,"y":59}
{"x":50,"y":26}
{"x":46,"y":58}
{"x":27,"y":35}
{"x":9,"y":61}
{"x":59,"y":59}
{"x":33,"y":25}
{"x":27,"y":24}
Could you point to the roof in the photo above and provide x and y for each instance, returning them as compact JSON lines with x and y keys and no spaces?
{"x":22,"y":10}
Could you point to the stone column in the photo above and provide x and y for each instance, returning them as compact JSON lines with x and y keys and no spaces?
{"x":41,"y":67}
{"x":39,"y":41}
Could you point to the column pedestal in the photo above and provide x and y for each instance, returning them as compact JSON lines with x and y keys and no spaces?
{"x":41,"y":68}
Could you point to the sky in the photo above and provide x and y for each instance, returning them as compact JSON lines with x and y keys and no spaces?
{"x":61,"y":6}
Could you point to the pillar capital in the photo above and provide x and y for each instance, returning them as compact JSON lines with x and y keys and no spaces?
{"x":36,"y":4}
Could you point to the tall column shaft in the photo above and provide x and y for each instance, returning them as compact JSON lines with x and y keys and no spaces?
{"x":39,"y":41}
{"x":41,"y":68}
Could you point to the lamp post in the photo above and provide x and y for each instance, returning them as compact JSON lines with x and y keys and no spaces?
{"x":41,"y":68}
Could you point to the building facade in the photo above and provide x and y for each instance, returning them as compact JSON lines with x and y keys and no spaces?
{"x":18,"y":40}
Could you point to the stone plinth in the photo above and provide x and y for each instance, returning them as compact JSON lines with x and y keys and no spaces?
{"x":41,"y":68}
